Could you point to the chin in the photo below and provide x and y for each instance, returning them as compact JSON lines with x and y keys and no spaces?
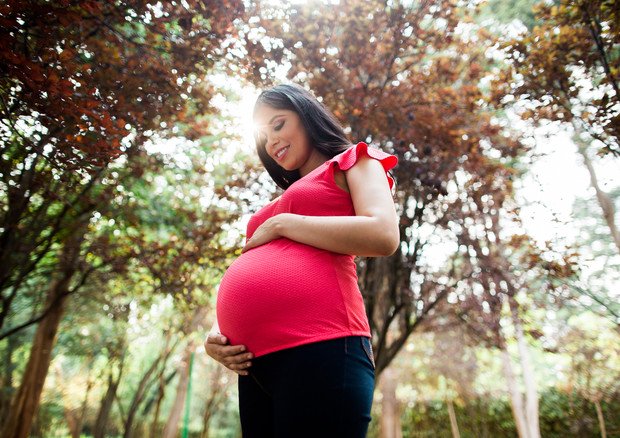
{"x":287,"y":167}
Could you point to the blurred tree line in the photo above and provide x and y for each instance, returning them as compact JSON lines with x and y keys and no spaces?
{"x":111,"y":247}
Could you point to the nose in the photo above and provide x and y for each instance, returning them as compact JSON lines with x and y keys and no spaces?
{"x":272,"y":140}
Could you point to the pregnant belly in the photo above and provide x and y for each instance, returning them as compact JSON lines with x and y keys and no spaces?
{"x":281,"y":293}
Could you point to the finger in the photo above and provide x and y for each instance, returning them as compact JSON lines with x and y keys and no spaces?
{"x":216,"y":338}
{"x":237,"y":359}
{"x":217,"y":349}
{"x":227,"y":354}
{"x":240,"y":366}
{"x":230,"y":350}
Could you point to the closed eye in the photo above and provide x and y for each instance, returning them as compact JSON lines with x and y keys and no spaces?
{"x":261,"y":134}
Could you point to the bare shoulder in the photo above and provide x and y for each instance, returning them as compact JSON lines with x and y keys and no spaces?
{"x":365,"y":167}
{"x":368,"y":183}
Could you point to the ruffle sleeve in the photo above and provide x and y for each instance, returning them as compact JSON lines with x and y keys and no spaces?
{"x":348,"y":158}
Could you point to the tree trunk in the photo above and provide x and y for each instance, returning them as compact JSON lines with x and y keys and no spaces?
{"x":454,"y":426}
{"x":607,"y":205}
{"x":161,"y":390}
{"x":531,"y":392}
{"x":108,"y":399}
{"x":143,"y":386}
{"x":172,"y":425}
{"x":516,"y":398}
{"x":71,"y":414}
{"x":216,"y":389}
{"x":26,"y":400}
{"x":82,"y":413}
{"x":599,"y":415}
{"x":7,"y":378}
{"x":390,"y":426}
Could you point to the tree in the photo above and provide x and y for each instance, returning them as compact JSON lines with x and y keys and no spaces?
{"x":77,"y":81}
{"x":516,"y":268}
{"x":593,"y":374}
{"x":505,"y":11}
{"x":583,"y":89}
{"x":405,"y":77}
{"x":83,"y":86}
{"x":593,"y":290}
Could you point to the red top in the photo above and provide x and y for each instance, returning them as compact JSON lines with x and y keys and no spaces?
{"x":284,"y":293}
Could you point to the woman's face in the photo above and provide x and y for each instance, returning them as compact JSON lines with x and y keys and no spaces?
{"x":287,"y":142}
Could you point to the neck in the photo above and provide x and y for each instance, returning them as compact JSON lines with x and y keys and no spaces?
{"x":314,"y":160}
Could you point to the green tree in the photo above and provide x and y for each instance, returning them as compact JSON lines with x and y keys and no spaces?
{"x":83,"y":85}
{"x":505,"y":11}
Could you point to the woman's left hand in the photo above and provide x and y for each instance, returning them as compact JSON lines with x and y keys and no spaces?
{"x":269,"y":230}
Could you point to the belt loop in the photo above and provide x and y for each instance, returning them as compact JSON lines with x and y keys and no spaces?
{"x":346,"y":344}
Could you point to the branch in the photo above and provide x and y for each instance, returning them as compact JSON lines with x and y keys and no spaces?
{"x":606,"y":305}
{"x":49,"y":308}
{"x":601,"y":49}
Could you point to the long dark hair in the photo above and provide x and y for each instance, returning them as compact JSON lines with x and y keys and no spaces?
{"x":323,"y":129}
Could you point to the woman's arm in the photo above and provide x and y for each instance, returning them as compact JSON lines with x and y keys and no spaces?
{"x":372,"y":232}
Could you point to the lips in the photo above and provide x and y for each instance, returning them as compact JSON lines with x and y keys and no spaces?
{"x":280,"y":153}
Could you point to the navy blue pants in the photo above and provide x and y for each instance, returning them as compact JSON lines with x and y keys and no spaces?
{"x":323,"y":389}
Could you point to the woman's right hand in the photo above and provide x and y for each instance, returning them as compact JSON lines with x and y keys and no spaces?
{"x":233,"y":357}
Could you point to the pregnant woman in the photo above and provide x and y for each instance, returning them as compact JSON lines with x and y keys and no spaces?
{"x":290,"y":316}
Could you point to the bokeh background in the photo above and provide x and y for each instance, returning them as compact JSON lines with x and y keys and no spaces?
{"x":127,"y":176}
